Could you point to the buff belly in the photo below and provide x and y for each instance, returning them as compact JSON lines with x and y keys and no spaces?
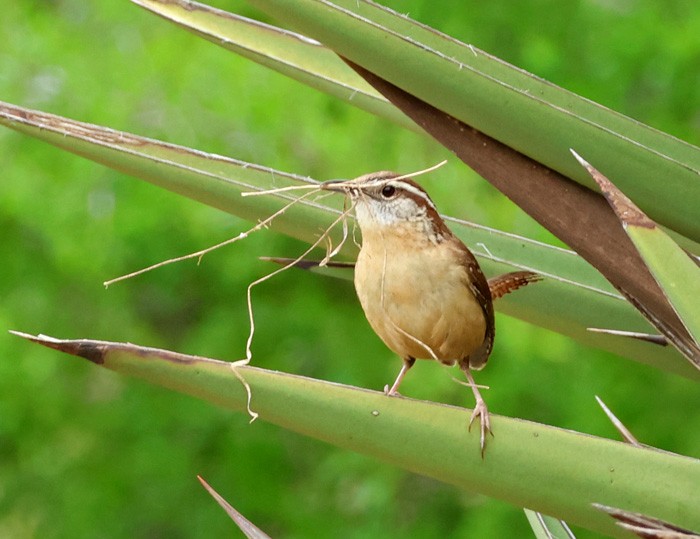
{"x":419,"y":304}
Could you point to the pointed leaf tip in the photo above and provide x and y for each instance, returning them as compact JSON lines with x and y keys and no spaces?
{"x":646,"y":526}
{"x":246,"y":526}
{"x":626,"y":210}
{"x":624,"y":431}
{"x":91,"y":350}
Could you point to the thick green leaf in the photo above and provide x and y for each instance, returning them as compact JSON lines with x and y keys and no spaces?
{"x":554,"y":471}
{"x":294,"y":55}
{"x":524,"y":112}
{"x":572,"y":298}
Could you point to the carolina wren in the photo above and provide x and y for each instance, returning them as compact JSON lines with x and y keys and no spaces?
{"x":420,"y":287}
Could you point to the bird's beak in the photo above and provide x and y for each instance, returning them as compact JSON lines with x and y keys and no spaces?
{"x":338,"y":186}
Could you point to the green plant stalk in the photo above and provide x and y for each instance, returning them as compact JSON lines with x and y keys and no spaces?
{"x":550,"y":470}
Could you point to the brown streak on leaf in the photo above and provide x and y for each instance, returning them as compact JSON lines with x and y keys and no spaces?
{"x":97,"y":351}
{"x":91,"y":350}
{"x":88,"y":350}
{"x":68,"y":127}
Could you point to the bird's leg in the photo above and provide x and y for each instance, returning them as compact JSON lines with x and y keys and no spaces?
{"x":407,"y":364}
{"x":480,"y":410}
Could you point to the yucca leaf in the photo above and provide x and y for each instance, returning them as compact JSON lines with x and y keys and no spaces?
{"x":572,"y":297}
{"x":291,"y":54}
{"x":553,"y":471}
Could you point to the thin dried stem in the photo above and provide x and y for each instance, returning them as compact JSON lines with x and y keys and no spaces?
{"x":248,"y":352}
{"x":320,"y":239}
{"x":354,"y":236}
{"x":469,"y":384}
{"x":350,"y":184}
{"x":421,"y":172}
{"x":199,"y":254}
{"x":262,"y":224}
{"x":304,"y":187}
{"x":279,"y":190}
{"x":330,"y":253}
{"x":249,"y":393}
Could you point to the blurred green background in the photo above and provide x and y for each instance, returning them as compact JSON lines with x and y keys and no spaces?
{"x":87,"y":453}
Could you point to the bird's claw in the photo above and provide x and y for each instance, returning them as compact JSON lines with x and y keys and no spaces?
{"x":482,"y":412}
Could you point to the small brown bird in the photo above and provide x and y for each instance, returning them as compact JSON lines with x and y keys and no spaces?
{"x":420,"y":287}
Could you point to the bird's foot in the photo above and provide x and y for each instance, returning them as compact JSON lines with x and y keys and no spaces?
{"x":391,"y":391}
{"x":394,"y":390}
{"x":482,"y":412}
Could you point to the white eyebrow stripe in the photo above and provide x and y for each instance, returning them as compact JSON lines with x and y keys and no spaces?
{"x":399,"y":184}
{"x":414,"y":190}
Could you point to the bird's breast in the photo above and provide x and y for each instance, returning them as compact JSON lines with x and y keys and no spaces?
{"x":417,"y":297}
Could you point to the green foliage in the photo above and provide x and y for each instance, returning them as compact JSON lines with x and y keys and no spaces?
{"x":558,"y":471}
{"x":82,"y":450}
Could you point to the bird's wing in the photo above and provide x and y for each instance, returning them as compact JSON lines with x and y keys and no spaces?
{"x":480,"y":288}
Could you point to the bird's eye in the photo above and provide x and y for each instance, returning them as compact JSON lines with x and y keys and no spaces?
{"x":388,"y":191}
